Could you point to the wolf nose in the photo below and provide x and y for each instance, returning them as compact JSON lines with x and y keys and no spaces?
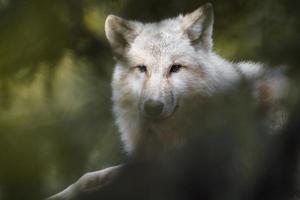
{"x":153,"y":108}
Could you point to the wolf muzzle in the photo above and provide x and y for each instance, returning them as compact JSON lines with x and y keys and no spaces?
{"x":153,"y":108}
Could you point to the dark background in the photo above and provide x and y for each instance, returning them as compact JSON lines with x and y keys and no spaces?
{"x":55,"y":108}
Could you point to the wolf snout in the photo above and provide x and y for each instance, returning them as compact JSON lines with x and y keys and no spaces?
{"x":153,"y":108}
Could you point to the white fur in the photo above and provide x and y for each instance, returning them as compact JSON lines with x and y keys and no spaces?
{"x":158,"y":46}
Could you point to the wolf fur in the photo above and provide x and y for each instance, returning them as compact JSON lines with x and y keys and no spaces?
{"x":145,"y":55}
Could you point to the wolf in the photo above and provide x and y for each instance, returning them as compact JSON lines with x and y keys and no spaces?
{"x":158,"y":66}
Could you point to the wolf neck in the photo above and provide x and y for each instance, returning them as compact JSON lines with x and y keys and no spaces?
{"x":221,"y":75}
{"x":224,"y":75}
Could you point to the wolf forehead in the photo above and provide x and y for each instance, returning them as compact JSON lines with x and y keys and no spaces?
{"x":161,"y":38}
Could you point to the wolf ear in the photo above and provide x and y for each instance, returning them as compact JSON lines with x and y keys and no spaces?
{"x":198,"y":26}
{"x":120,"y":33}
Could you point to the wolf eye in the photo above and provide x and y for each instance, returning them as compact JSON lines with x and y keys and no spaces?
{"x":175,"y":68}
{"x":142,"y":68}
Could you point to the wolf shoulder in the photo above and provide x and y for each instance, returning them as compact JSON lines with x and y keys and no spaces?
{"x":274,"y":79}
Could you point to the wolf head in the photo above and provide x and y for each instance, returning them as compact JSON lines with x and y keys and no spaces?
{"x":160,"y":63}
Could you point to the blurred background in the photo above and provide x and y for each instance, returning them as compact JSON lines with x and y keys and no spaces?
{"x":55,"y":71}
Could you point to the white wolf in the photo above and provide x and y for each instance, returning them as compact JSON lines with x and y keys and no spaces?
{"x":158,"y":66}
